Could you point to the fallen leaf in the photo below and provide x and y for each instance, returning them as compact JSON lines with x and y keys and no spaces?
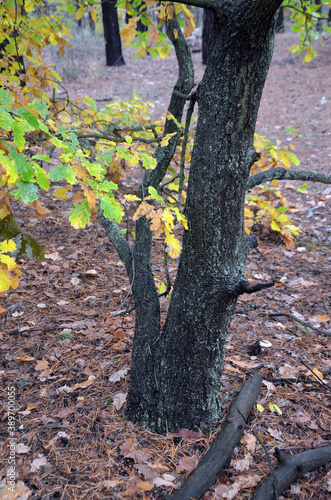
{"x":318,"y":375}
{"x":39,"y":462}
{"x":24,"y":358}
{"x":146,"y":471}
{"x":21,"y":492}
{"x":119,"y":399}
{"x":249,"y":440}
{"x":86,"y":383}
{"x":243,"y":463}
{"x":116,"y":376}
{"x":140,"y":455}
{"x":288,"y":371}
{"x":186,"y":464}
{"x":53,"y":256}
{"x":22,"y":448}
{"x":107,"y":484}
{"x":165,"y":480}
{"x":65,"y":412}
{"x":41,"y":365}
{"x":275,"y":434}
{"x":145,"y":485}
{"x":324,"y":318}
{"x":91,"y":272}
{"x":228,"y":492}
{"x":187,"y":434}
{"x":248,"y":481}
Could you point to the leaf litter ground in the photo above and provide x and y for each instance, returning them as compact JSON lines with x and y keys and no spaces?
{"x":66,"y":348}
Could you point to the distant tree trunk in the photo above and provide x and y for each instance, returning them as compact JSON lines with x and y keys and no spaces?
{"x":140,"y":26}
{"x":280,"y":28}
{"x":208,"y":24}
{"x":111,"y":32}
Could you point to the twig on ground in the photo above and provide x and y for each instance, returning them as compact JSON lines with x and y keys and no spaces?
{"x":304,"y":323}
{"x":269,"y":461}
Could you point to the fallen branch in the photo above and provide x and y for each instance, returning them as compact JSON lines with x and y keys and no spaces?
{"x":214,"y":461}
{"x":304,"y":323}
{"x":290,"y":469}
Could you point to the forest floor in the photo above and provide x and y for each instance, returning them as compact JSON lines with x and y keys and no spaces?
{"x":66,"y":350}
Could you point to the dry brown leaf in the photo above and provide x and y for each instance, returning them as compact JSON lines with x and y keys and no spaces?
{"x":164,"y":480}
{"x":145,"y":485}
{"x":325,"y":318}
{"x":65,"y":412}
{"x":243,"y":463}
{"x":249,"y":440}
{"x":41,"y":461}
{"x":275,"y":434}
{"x":116,"y":376}
{"x":119,"y":399}
{"x":186,"y":464}
{"x":21,"y":492}
{"x":288,"y":371}
{"x":86,"y":383}
{"x":140,"y":456}
{"x":146,"y":471}
{"x":228,"y":492}
{"x":107,"y":484}
{"x":318,"y":375}
{"x":41,"y":365}
{"x":249,"y":481}
{"x":22,"y":448}
{"x":24,"y":358}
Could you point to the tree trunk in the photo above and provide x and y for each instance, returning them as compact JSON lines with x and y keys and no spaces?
{"x":186,"y":361}
{"x":111,"y":33}
{"x":208,"y":23}
{"x":280,"y":26}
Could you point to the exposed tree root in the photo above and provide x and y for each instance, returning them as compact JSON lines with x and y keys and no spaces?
{"x":291,"y":468}
{"x":213,"y":462}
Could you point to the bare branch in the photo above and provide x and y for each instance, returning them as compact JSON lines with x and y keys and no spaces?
{"x":283,"y":173}
{"x":304,"y":323}
{"x":246,"y":287}
{"x":290,"y":469}
{"x":120,"y":243}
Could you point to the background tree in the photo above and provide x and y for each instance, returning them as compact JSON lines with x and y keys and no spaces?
{"x":114,"y":55}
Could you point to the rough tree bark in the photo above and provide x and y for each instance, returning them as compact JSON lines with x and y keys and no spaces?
{"x":176,"y":373}
{"x":111,"y":33}
{"x":208,"y":23}
{"x":187,"y":358}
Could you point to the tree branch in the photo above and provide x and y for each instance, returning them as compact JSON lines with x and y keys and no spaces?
{"x":283,"y":173}
{"x":213,"y":462}
{"x":121,"y":245}
{"x":304,"y":323}
{"x":246,"y":287}
{"x":290,"y":469}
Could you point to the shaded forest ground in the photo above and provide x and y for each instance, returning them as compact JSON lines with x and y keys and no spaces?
{"x":66,"y":349}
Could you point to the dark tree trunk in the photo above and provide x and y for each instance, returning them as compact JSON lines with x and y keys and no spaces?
{"x":208,"y":24}
{"x":140,"y":26}
{"x":179,"y":384}
{"x":111,"y":33}
{"x":280,"y":27}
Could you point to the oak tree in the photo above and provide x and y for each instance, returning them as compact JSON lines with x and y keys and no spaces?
{"x":176,"y":370}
